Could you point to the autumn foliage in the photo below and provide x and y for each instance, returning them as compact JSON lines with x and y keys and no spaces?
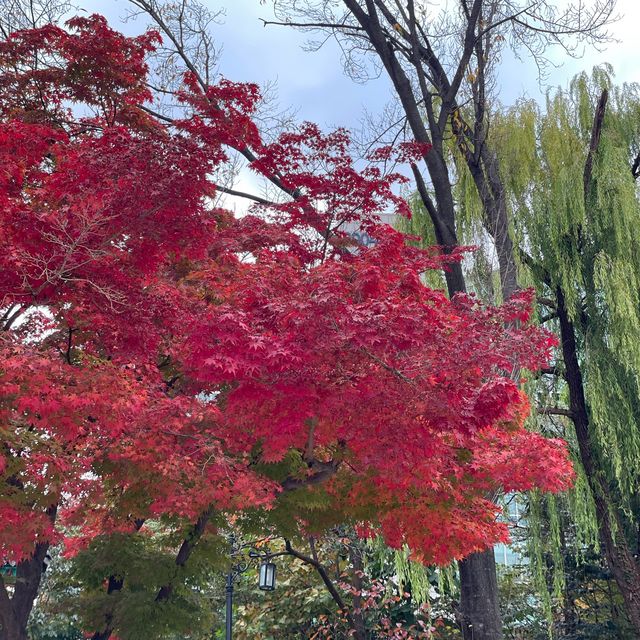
{"x":163,"y":357}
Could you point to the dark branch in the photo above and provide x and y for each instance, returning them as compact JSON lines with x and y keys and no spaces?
{"x":551,"y":371}
{"x":535,"y":267}
{"x":18,"y":310}
{"x":595,"y":140}
{"x":547,"y":317}
{"x":312,"y":25}
{"x":322,"y":572}
{"x":155,"y":114}
{"x":243,"y":194}
{"x":185,"y":551}
{"x":324,"y":471}
{"x":547,"y":302}
{"x":388,"y":367}
{"x":635,"y":167}
{"x":555,"y":411}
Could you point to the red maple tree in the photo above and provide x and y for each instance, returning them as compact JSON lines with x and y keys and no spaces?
{"x":163,"y":357}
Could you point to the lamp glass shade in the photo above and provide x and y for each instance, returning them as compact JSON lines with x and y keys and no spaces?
{"x":267,"y":576}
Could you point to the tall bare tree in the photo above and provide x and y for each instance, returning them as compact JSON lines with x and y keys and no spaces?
{"x":442,"y":61}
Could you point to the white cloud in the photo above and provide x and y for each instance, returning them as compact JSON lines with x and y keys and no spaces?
{"x":314,"y":84}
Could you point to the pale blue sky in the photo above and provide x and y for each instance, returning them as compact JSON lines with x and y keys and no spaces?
{"x":314,"y":85}
{"x":313,"y":82}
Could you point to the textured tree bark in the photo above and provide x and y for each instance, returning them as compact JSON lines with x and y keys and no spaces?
{"x":490,"y":188}
{"x":356,"y":581}
{"x":479,"y":613}
{"x":11,"y":628}
{"x":15,"y":610}
{"x":620,"y":559}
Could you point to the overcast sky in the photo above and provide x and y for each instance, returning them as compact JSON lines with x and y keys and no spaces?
{"x":314,"y":85}
{"x":313,"y":82}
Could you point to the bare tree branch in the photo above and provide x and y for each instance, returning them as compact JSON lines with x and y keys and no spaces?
{"x":555,"y":411}
{"x":595,"y":140}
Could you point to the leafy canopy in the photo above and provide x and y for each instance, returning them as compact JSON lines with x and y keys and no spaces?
{"x":172,"y":359}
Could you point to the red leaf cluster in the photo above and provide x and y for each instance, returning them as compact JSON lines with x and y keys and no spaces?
{"x":159,"y":355}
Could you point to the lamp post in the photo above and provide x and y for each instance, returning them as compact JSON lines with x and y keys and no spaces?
{"x":229,"y":614}
{"x":266,"y":575}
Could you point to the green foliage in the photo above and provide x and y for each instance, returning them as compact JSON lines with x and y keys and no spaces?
{"x":589,"y":607}
{"x":43,"y":626}
{"x":589,"y":249}
{"x":290,"y":612}
{"x":420,"y":226}
{"x":523,"y":616}
{"x":480,"y":276}
{"x":50,"y":619}
{"x":393,"y":593}
{"x":147,"y":559}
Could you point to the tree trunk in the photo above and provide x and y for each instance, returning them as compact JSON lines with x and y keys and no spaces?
{"x":477,"y":571}
{"x":617,"y":551}
{"x":479,"y":612}
{"x":356,"y":582}
{"x":622,"y":564}
{"x":11,"y":627}
{"x":15,"y":610}
{"x":486,"y":176}
{"x":479,"y":599}
{"x":442,"y":212}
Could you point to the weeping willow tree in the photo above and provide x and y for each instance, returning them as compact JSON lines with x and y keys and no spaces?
{"x":570,"y":173}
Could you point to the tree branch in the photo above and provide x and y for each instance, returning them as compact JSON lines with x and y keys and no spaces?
{"x":244,"y":194}
{"x":185,"y":551}
{"x":635,"y":167}
{"x":388,"y":367}
{"x":547,"y":302}
{"x":536,"y":267}
{"x":67,"y":354}
{"x":322,"y":572}
{"x":148,"y":7}
{"x":547,"y":317}
{"x":551,"y":371}
{"x":19,"y":310}
{"x":312,"y":25}
{"x":325,"y":471}
{"x":555,"y":411}
{"x":595,"y":139}
{"x":155,"y":114}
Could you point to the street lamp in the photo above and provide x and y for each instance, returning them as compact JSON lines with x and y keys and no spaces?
{"x":266,"y":575}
